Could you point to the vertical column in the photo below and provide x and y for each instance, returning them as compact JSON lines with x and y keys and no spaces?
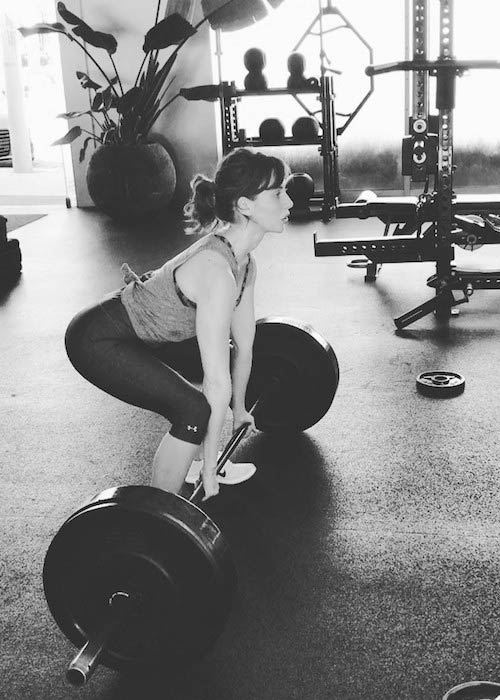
{"x":419,"y":121}
{"x":408,"y":76}
{"x":230,"y":121}
{"x":18,"y":122}
{"x":445,"y":91}
{"x":420,"y":107}
{"x":329,"y":145}
{"x":329,"y":149}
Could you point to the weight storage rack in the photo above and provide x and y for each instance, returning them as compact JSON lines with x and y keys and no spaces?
{"x":327,"y":200}
{"x":234,"y":137}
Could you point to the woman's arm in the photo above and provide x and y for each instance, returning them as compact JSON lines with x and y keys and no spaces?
{"x":242,"y":334}
{"x":215,"y":300}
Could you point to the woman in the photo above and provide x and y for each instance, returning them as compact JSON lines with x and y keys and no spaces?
{"x":206,"y":292}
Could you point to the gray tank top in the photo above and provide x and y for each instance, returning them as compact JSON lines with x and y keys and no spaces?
{"x":157,"y":308}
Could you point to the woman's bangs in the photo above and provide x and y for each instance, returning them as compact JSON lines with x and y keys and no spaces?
{"x":274,"y":177}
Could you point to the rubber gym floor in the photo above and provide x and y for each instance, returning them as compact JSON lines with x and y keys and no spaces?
{"x":367,"y":547}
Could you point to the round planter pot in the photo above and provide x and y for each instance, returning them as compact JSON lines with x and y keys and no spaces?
{"x":131,"y":181}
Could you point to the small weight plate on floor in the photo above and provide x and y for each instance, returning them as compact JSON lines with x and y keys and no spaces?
{"x":159,"y":551}
{"x":307,"y":371}
{"x":474,"y":690}
{"x":440,"y":384}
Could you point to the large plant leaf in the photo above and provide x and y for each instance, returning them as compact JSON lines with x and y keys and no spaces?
{"x":159,"y":78}
{"x":68,"y":16}
{"x":97,"y":102}
{"x":128,"y":127}
{"x":111,"y":136}
{"x":148,"y":105}
{"x":237,"y":14}
{"x":129,"y":100}
{"x":152,"y":69}
{"x":108,"y":100}
{"x":98,"y":39}
{"x":87,"y":82}
{"x":72,"y":134}
{"x":149,"y":72}
{"x":80,"y":28}
{"x":108,"y":88}
{"x":43,"y":28}
{"x":72,"y":115}
{"x":170,"y":31}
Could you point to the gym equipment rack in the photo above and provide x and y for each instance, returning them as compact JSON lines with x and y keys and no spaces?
{"x":234,"y":137}
{"x":464,"y":220}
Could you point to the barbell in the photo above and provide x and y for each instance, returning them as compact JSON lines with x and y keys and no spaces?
{"x":139,"y":578}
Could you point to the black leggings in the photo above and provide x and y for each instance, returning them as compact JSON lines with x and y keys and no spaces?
{"x":104,"y":348}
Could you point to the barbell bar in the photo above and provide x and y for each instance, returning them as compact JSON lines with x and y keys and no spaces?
{"x":233,"y":442}
{"x":140,"y":578}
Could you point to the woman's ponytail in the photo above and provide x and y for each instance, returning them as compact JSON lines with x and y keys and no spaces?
{"x":200,"y":210}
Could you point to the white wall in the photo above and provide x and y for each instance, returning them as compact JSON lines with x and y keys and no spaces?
{"x":188,"y":129}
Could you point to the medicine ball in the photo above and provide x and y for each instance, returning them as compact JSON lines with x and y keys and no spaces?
{"x":300,"y":189}
{"x":296,"y":63}
{"x":254,"y":59}
{"x":305,"y":129}
{"x":272,"y":131}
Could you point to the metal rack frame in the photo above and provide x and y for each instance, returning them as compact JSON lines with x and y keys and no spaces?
{"x":328,"y":199}
{"x":467,"y":221}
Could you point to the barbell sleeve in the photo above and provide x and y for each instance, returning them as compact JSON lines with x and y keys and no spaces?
{"x":87,"y":660}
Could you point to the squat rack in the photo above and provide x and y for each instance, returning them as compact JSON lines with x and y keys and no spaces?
{"x":465,"y":220}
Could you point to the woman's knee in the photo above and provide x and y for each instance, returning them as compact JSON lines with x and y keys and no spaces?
{"x":74,"y":338}
{"x":192,"y":422}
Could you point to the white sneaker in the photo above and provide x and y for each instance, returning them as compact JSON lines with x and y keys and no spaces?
{"x":230,"y":475}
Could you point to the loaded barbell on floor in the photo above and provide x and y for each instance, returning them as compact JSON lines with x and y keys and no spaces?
{"x":139,"y":578}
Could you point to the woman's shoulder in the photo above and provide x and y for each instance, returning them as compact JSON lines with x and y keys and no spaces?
{"x":205,"y":273}
{"x":211,"y":259}
{"x":215,"y":252}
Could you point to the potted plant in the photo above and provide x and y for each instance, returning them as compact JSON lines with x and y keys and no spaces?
{"x":127,"y":175}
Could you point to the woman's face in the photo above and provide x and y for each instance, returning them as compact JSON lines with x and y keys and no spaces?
{"x":270,"y":209}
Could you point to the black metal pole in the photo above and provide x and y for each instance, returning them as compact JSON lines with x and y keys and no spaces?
{"x":235,"y":438}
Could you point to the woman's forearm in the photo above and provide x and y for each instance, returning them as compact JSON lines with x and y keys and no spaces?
{"x":218,"y":396}
{"x":242,"y":366}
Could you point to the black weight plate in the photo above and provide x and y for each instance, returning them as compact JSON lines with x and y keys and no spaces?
{"x":160,"y":549}
{"x":10,"y":253}
{"x":306,"y":367}
{"x":474,"y":690}
{"x":9,"y":244}
{"x":440,"y":384}
{"x":9,"y":267}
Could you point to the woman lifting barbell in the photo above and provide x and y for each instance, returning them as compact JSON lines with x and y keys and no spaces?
{"x":206,"y":292}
